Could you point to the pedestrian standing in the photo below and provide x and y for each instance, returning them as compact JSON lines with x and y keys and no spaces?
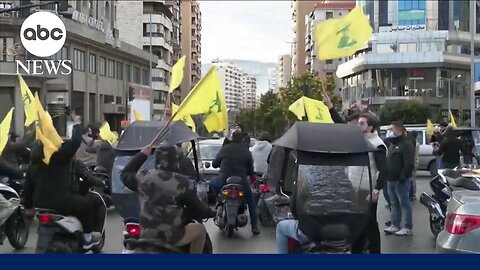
{"x":436,"y":140}
{"x":449,"y":149}
{"x":400,"y":166}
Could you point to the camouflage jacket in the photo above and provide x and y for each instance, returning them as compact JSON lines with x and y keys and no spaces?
{"x":167,"y":200}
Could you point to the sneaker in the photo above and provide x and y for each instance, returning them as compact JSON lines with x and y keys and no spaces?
{"x":404,"y":232}
{"x":391,"y":229}
{"x":255,"y":230}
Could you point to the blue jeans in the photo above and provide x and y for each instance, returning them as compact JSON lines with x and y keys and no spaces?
{"x":400,"y":203}
{"x":289,"y":229}
{"x":440,"y":164}
{"x":219,"y":181}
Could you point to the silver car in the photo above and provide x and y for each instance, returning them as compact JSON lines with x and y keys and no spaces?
{"x":462,"y":226}
{"x":208,"y":150}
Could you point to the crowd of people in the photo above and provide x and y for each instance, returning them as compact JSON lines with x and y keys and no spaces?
{"x":168,"y":198}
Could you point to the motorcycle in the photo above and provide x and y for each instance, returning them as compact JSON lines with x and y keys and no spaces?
{"x":64,"y":234}
{"x":264,"y":215}
{"x":231,"y":207}
{"x":442,"y":186}
{"x":14,"y":223}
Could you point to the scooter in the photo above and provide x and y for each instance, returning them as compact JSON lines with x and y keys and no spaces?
{"x":64,"y":234}
{"x":442,"y":186}
{"x":231,"y":207}
{"x":14,"y":223}
{"x":264,"y":215}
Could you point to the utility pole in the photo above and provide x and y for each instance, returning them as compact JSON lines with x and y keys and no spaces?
{"x":473,"y":25}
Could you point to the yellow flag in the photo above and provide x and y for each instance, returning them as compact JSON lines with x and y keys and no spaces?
{"x":298,"y":108}
{"x":187,"y":119}
{"x":48,"y":147}
{"x":342,"y":37}
{"x":429,"y":128}
{"x":317,"y":112}
{"x":177,"y":74}
{"x":28,"y":102}
{"x":452,"y":120}
{"x":5,"y":129}
{"x":206,"y":97}
{"x":107,"y":134}
{"x":138,"y":116}
{"x":46,"y":124}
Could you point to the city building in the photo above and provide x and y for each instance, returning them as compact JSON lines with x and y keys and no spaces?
{"x":284,"y":70}
{"x":231,"y":78}
{"x":258,"y":100}
{"x":273,"y":79}
{"x":191,"y":45}
{"x":300,"y":10}
{"x":322,"y":12}
{"x":155,"y":32}
{"x":420,"y":50}
{"x":106,"y":72}
{"x":175,"y":7}
{"x":249,"y":88}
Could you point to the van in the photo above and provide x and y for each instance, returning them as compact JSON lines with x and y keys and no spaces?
{"x":427,"y":160}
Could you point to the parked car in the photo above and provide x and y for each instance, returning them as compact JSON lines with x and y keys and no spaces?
{"x":427,"y":160}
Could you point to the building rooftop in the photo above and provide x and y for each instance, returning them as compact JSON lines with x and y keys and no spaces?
{"x":336,"y":5}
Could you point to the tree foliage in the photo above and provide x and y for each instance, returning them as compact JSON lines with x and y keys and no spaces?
{"x":408,"y":112}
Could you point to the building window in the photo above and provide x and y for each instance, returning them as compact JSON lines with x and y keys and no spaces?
{"x":461,"y":15}
{"x":79,"y":60}
{"x":108,"y":99}
{"x":128,"y":71}
{"x":329,"y":74}
{"x":61,"y":55}
{"x":92,"y":60}
{"x":156,"y":29}
{"x":118,"y":100}
{"x":107,"y":11}
{"x":120,"y":70}
{"x":407,"y":47}
{"x":158,"y":75}
{"x":329,"y":15}
{"x":329,"y":61}
{"x":6,"y":47}
{"x":136,"y":75}
{"x":102,"y":65}
{"x":111,"y":68}
{"x":411,"y":12}
{"x":384,"y":48}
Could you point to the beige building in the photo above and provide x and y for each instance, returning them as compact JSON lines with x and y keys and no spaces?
{"x":106,"y":72}
{"x":284,"y":70}
{"x":301,"y":9}
{"x":249,"y":88}
{"x":191,"y":45}
{"x":273,"y":79}
{"x":322,"y":12}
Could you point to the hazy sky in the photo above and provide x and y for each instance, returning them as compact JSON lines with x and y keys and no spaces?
{"x":249,"y":30}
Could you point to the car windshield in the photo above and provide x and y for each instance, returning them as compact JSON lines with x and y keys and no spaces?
{"x":209,"y":150}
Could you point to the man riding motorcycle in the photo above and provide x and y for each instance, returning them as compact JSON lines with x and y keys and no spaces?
{"x":167,"y":199}
{"x":234,"y":159}
{"x":51,"y":186}
{"x":17,"y":148}
{"x":87,"y":152}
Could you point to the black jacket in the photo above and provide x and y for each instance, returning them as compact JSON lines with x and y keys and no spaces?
{"x":15,"y":149}
{"x":401,"y":159}
{"x":234,"y":159}
{"x":187,"y":168}
{"x":246,"y":140}
{"x":50,"y":186}
{"x":450,"y":151}
{"x":10,"y":171}
{"x":337,"y":119}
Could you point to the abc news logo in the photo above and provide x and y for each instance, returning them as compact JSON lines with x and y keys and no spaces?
{"x":43,"y":34}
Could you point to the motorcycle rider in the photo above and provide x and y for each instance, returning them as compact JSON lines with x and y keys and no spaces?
{"x":245,"y":136}
{"x":7,"y":170}
{"x":234,"y":159}
{"x":50,"y":186}
{"x":167,"y":199}
{"x":87,"y":152}
{"x":17,"y":148}
{"x":260,"y":152}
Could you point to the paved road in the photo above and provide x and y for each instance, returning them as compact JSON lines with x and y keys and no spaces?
{"x":244,"y":242}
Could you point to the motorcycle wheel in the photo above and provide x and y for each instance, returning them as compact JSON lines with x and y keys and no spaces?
{"x":17,"y":230}
{"x":435,"y":227}
{"x":98,"y":248}
{"x":229,"y":230}
{"x":208,"y":247}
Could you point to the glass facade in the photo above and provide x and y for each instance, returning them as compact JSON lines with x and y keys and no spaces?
{"x":461,"y":15}
{"x":411,"y":12}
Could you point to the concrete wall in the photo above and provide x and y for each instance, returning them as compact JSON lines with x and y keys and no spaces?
{"x":129,"y":22}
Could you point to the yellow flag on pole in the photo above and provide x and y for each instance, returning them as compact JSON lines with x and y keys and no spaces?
{"x":187,"y":119}
{"x":107,"y":134}
{"x":298,"y":108}
{"x":206,"y":97}
{"x":46,"y":124}
{"x":452,"y":120}
{"x":336,"y":38}
{"x":28,"y":102}
{"x":5,"y":129}
{"x":138,"y":116}
{"x":317,"y":112}
{"x":429,"y":128}
{"x":48,"y":147}
{"x":177,"y":74}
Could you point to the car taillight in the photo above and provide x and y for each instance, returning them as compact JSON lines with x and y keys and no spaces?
{"x":45,"y":218}
{"x":133,"y":230}
{"x":461,"y":224}
{"x":232,"y":193}
{"x":264,"y":188}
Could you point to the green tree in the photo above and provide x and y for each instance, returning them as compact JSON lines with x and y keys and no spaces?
{"x":408,"y":112}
